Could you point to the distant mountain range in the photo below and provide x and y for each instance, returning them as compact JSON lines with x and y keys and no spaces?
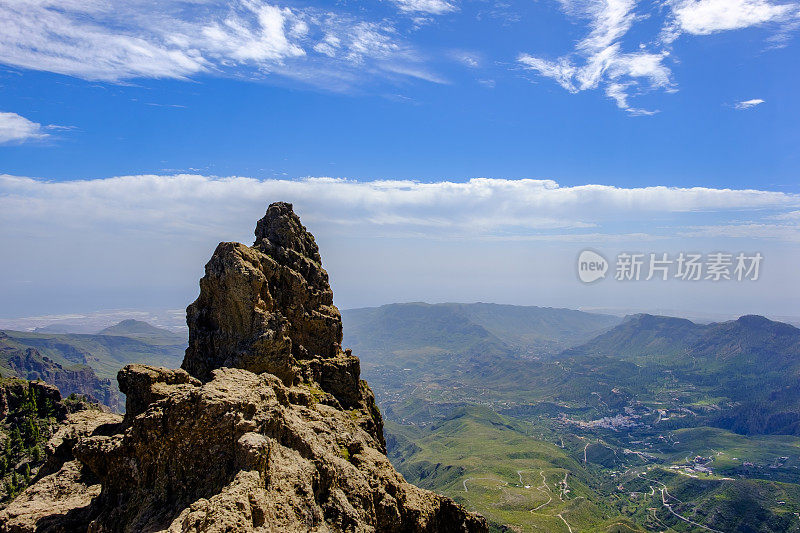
{"x":451,"y":350}
{"x":477,"y":329}
{"x":749,"y":339}
{"x":751,"y":366}
{"x":740,"y":375}
{"x":551,"y":419}
{"x":88,"y":363}
{"x":542,"y":416}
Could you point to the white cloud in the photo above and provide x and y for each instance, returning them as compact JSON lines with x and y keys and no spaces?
{"x":499,"y":207}
{"x":141,"y":241}
{"x":431,"y":7}
{"x":610,"y":20}
{"x":562,"y":71}
{"x":15,"y":128}
{"x":330,"y":45}
{"x":260,"y":37}
{"x":117,"y":40}
{"x":601,"y":59}
{"x":703,"y":17}
{"x":71,"y":38}
{"x":747,"y":104}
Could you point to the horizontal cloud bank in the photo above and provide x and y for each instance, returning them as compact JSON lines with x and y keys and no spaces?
{"x":139,"y":242}
{"x":482,"y":207}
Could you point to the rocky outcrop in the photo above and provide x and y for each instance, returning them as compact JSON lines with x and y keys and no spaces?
{"x":13,"y":392}
{"x":267,"y":426}
{"x":269,"y":308}
{"x":265,"y":308}
{"x":34,"y":418}
{"x":62,"y":495}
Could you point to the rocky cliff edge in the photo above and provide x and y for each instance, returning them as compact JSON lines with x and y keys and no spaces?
{"x":267,"y":426}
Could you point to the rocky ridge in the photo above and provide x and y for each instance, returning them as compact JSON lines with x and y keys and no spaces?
{"x":32,"y":415}
{"x":266,"y":427}
{"x":31,"y":365}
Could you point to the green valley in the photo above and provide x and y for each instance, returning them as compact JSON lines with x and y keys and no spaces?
{"x":654,"y":424}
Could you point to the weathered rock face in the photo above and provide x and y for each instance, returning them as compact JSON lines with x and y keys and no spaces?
{"x":61,"y":498}
{"x":267,"y":427}
{"x":35,"y":413}
{"x":269,"y":308}
{"x":265,"y":308}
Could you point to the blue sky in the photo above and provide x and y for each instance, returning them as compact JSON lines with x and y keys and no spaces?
{"x":173,"y":123}
{"x":428,"y":96}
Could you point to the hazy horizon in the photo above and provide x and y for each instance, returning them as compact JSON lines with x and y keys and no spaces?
{"x":439,"y":150}
{"x":174,"y":319}
{"x":142,"y":241}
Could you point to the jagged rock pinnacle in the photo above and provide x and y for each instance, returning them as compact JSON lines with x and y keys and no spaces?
{"x":266,"y":428}
{"x":281,"y":228}
{"x":265,"y":308}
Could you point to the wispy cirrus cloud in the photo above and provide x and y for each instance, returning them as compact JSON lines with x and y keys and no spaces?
{"x":430,"y":7}
{"x":748,"y":104}
{"x":340,"y":47}
{"x":600,"y":60}
{"x":606,"y":59}
{"x":115,"y":40}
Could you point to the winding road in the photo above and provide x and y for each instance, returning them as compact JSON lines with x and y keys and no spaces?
{"x":664,"y":495}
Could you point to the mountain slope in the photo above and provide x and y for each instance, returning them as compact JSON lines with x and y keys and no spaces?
{"x":470,"y":329}
{"x":490,"y":463}
{"x":622,"y":416}
{"x":749,"y":367}
{"x":403,"y":332}
{"x":30,"y":365}
{"x":424,"y":359}
{"x":537,"y":330}
{"x":106,"y":354}
{"x":643,"y":335}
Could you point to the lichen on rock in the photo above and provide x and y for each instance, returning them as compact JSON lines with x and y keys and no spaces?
{"x":267,"y":426}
